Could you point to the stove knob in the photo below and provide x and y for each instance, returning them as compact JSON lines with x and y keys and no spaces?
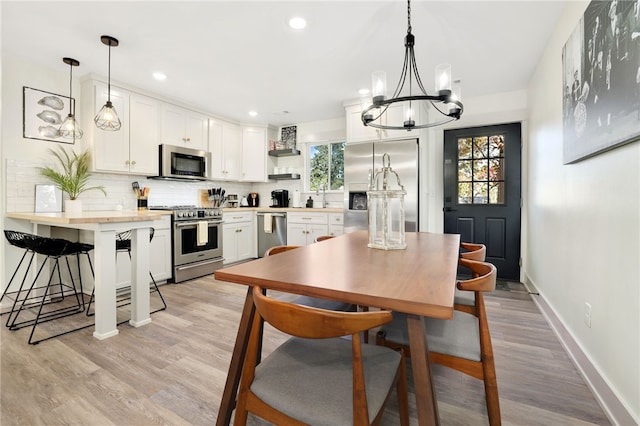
{"x":192,"y":214}
{"x":179,"y":214}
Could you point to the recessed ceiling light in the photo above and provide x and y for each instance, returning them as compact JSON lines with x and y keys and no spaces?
{"x":253,"y":113}
{"x":159,"y":76}
{"x":297,"y":23}
{"x":363,"y":91}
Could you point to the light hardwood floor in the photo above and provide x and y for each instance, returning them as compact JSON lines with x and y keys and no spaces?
{"x":173,"y":370}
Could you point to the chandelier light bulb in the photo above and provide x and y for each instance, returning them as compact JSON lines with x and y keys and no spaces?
{"x":443,"y":77}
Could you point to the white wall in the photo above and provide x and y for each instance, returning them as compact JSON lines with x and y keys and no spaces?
{"x":584,"y":231}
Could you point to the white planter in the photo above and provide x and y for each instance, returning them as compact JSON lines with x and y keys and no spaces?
{"x":73,"y":206}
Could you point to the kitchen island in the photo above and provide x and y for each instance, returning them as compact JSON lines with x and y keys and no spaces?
{"x":105,"y":225}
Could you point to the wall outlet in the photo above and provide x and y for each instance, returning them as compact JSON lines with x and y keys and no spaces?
{"x":587,"y":314}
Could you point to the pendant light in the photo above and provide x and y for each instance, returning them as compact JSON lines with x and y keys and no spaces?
{"x":69,"y":128}
{"x":446,"y":102}
{"x":107,"y":118}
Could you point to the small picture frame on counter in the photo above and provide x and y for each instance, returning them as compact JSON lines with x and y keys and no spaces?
{"x":48,"y":199}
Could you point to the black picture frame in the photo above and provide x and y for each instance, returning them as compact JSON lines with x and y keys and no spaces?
{"x":289,"y":135}
{"x":42,"y":114}
{"x":601,"y":80}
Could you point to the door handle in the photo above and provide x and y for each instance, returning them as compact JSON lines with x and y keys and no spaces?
{"x":449,"y":209}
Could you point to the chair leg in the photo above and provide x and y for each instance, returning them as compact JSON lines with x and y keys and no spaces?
{"x":402,"y":391}
{"x":60,"y":313}
{"x":20,"y":289}
{"x":15,"y":313}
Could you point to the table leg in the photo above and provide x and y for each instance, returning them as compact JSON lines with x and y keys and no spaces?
{"x":105,"y":284}
{"x":230,"y":393}
{"x":140,"y":277}
{"x":426,"y":402}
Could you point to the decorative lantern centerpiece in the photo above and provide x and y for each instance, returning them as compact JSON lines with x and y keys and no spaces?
{"x":386,"y":209}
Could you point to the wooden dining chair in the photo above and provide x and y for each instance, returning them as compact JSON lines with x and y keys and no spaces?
{"x":316,"y":377}
{"x":314,"y":302}
{"x":462,"y":343}
{"x":465,"y":301}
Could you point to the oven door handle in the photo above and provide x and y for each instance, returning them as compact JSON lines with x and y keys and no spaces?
{"x":194,"y":223}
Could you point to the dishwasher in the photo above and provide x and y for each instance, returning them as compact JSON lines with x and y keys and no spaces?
{"x":272,"y":230}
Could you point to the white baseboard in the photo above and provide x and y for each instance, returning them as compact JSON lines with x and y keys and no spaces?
{"x":606,"y":397}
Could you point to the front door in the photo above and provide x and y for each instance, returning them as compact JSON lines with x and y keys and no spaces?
{"x":482,"y":191}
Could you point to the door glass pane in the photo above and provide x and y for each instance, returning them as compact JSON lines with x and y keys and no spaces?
{"x":464,"y":193}
{"x":496,"y":146}
{"x":480,"y":193}
{"x":496,"y":170}
{"x":481,"y":147}
{"x":464,"y":148}
{"x":464,"y":171}
{"x":480,"y":168}
{"x":496,"y":193}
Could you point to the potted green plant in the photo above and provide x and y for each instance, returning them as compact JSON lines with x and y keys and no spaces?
{"x":73,"y":178}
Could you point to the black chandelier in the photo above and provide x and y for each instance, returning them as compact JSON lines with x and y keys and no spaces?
{"x":446,"y":102}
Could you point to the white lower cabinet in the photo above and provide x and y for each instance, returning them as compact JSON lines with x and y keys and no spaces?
{"x":238,"y":236}
{"x":159,"y":260}
{"x":304,"y":228}
{"x":336,"y":224}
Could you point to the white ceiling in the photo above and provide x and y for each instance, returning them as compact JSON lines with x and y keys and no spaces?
{"x":231,"y":57}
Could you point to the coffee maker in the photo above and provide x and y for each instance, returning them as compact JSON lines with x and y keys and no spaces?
{"x":280,"y":198}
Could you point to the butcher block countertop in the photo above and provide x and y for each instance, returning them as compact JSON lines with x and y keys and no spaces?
{"x":90,"y":216}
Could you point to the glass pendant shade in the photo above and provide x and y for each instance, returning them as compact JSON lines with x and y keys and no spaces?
{"x":443,"y":77}
{"x":378,"y":85}
{"x":386,"y":209}
{"x":107,"y":117}
{"x":69,"y":129}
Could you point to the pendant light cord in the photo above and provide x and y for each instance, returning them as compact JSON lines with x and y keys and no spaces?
{"x":70,"y":86}
{"x":109,"y":76}
{"x":408,"y":16}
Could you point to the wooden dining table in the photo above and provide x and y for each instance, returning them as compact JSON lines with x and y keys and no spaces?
{"x":419,"y":281}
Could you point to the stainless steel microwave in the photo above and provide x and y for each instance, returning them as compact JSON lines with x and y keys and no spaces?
{"x":177,"y":162}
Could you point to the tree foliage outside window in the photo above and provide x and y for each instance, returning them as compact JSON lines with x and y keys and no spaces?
{"x":326,"y":166}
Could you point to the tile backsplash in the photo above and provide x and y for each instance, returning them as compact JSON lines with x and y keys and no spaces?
{"x":22,"y":176}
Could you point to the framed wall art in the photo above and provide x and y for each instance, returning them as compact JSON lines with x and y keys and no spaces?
{"x":43,"y":113}
{"x":289,"y":136}
{"x":601,"y":80}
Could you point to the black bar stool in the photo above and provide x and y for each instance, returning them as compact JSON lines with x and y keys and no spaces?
{"x":37,"y":296}
{"x":123,"y":245}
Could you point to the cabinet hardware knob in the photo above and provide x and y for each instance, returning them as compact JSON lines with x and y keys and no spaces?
{"x":133,"y":162}
{"x":127,"y":162}
{"x":188,"y":139}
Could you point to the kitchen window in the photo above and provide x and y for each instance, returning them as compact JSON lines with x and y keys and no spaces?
{"x":326,"y":166}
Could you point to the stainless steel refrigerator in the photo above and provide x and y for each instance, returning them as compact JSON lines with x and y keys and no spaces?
{"x":361,"y":161}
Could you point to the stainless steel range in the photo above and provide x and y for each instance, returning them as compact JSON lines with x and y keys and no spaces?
{"x":197,"y":241}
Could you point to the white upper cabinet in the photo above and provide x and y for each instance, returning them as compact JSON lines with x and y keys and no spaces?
{"x":225,"y":144}
{"x":183,"y":127}
{"x":254,"y":154}
{"x":358,"y":132}
{"x":143,"y":135}
{"x":110,"y":149}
